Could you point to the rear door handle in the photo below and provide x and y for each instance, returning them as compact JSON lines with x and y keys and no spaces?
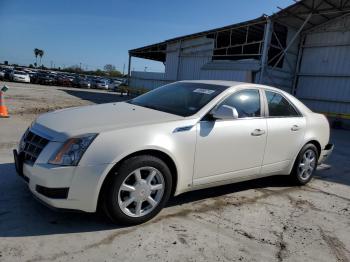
{"x":295,"y":128}
{"x":257,"y":132}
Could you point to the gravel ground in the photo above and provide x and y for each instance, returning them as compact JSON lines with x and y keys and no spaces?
{"x":259,"y":220}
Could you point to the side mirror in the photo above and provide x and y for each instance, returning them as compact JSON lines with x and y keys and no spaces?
{"x":225,"y":112}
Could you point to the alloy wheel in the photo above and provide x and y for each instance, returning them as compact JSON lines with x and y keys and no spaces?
{"x":307,"y":165}
{"x":141,"y":191}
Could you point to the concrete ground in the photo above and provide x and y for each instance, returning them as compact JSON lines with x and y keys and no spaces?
{"x":259,"y":220}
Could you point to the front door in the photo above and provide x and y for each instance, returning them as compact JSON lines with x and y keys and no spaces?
{"x":229,"y":149}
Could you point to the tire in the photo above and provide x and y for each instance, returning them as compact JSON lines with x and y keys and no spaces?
{"x":137,"y":179}
{"x":304,"y":167}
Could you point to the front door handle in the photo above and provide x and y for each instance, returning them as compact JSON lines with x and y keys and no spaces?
{"x":295,"y":128}
{"x":257,"y":132}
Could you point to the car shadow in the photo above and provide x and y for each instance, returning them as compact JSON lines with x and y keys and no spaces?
{"x":337,"y":167}
{"x":22,"y":215}
{"x":97,"y":97}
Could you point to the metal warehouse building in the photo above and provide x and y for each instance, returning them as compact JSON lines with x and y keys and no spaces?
{"x":303,"y":49}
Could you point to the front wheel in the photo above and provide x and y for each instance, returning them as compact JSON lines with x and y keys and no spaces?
{"x":305,"y":165}
{"x":138,"y":191}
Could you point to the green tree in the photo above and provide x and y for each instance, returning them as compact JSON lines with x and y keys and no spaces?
{"x":109,"y":68}
{"x":36,"y":53}
{"x":41,"y":54}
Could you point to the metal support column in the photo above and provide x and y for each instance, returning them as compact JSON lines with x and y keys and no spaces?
{"x":267,"y":40}
{"x":293,"y":39}
{"x":178,"y":61}
{"x":129,"y":69}
{"x":297,"y":68}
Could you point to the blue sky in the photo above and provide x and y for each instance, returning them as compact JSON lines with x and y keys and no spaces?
{"x":95,"y":33}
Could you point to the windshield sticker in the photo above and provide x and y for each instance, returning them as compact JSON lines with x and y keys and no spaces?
{"x":203,"y":91}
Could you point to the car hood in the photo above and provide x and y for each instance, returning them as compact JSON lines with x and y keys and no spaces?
{"x":19,"y":75}
{"x":61,"y":124}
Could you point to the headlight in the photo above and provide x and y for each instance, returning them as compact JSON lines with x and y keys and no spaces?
{"x":72,"y":150}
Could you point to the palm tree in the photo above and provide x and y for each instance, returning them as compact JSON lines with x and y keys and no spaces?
{"x":36,"y":53}
{"x":41,"y":54}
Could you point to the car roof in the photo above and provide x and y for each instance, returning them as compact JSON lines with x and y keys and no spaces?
{"x":231,"y":84}
{"x":214,"y":82}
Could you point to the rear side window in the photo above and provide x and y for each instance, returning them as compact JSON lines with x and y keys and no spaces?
{"x":246,"y":102}
{"x":279,"y":106}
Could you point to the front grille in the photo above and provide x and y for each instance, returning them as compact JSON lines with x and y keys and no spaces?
{"x":33,"y":145}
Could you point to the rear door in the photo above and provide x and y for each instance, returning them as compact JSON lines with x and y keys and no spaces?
{"x":286,"y":128}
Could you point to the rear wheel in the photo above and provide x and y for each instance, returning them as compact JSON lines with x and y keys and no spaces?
{"x":138,"y":190}
{"x":305,"y":165}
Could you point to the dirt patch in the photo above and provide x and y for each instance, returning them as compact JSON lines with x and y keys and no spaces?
{"x":8,"y":145}
{"x":282,"y":251}
{"x":336,"y":246}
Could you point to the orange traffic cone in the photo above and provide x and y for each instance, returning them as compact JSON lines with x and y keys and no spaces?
{"x":3,"y":108}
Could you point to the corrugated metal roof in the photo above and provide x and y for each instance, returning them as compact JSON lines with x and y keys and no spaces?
{"x":322,"y":10}
{"x":294,"y":16}
{"x":161,"y":47}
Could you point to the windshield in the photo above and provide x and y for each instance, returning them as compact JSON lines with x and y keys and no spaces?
{"x":20,"y":73}
{"x":184,"y":99}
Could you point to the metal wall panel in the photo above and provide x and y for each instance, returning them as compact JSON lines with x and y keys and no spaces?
{"x":231,"y":75}
{"x":278,"y":78}
{"x":326,"y":60}
{"x":148,"y":80}
{"x":283,"y":77}
{"x":190,"y":67}
{"x":147,"y":83}
{"x":324,"y":76}
{"x":147,"y":75}
{"x":172,"y":61}
{"x":194,"y":54}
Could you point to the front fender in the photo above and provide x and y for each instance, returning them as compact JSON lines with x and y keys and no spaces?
{"x":111,"y":147}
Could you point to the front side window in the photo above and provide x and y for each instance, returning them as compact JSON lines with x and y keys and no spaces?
{"x":246,"y":102}
{"x":279,"y":106}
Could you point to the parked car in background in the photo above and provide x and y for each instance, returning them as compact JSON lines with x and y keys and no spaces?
{"x":117,"y":83}
{"x":19,"y":76}
{"x":8,"y":74}
{"x":180,"y":137}
{"x":101,"y":84}
{"x":32,"y":75}
{"x":71,"y":79}
{"x":44,"y":78}
{"x":123,"y":80}
{"x":2,"y":74}
{"x":84,"y":83}
{"x":63,"y":80}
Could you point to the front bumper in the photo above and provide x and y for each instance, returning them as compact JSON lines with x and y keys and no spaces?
{"x":23,"y":80}
{"x":325,"y":153}
{"x":73,"y":187}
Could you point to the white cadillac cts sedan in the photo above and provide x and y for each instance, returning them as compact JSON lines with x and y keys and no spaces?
{"x":130,"y":157}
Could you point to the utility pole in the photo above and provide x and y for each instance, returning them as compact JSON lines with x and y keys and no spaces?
{"x":123,"y":68}
{"x":51,"y":63}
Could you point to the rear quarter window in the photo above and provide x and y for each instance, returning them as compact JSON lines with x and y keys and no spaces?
{"x":279,"y":106}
